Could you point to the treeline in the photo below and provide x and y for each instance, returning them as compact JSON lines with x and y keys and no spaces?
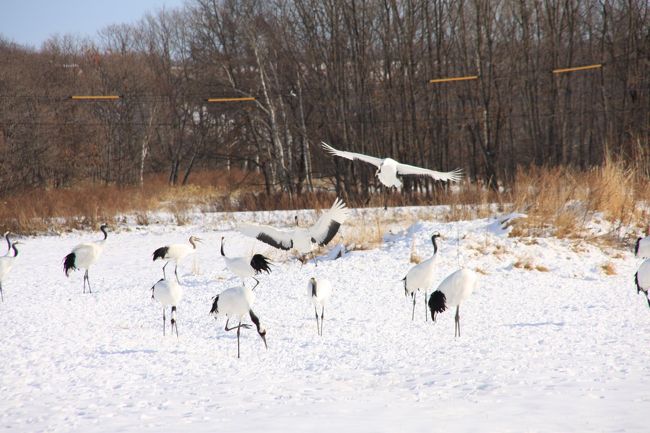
{"x":352,"y":73}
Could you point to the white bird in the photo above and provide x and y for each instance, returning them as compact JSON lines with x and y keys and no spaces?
{"x":83,"y":256}
{"x":452,"y":292}
{"x":642,"y":279}
{"x":175,"y":253}
{"x":388,"y":168}
{"x":642,"y":248}
{"x":421,"y":276}
{"x":168,"y":292}
{"x":302,"y":239}
{"x":320,"y":292}
{"x":6,"y":263}
{"x":247,"y":266}
{"x":236,"y":302}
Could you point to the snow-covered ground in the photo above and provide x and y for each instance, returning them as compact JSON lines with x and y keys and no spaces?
{"x":559,"y":347}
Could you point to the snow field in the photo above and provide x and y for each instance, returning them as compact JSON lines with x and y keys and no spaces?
{"x":563,"y":350}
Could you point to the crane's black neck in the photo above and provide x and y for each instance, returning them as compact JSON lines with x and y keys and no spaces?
{"x":435,"y":245}
{"x":8,"y":241}
{"x":222,"y":253}
{"x":103,"y":229}
{"x":15,"y":250}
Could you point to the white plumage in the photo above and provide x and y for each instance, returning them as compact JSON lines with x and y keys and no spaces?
{"x":237,"y":302}
{"x":246,"y":266}
{"x":6,"y":263}
{"x":83,"y":256}
{"x":452,"y":292}
{"x":421,"y":276}
{"x":320,"y":292}
{"x":175,"y":253}
{"x":301,"y":239}
{"x":388,"y":168}
{"x":168,"y":293}
{"x":642,"y":279}
{"x":642,"y":248}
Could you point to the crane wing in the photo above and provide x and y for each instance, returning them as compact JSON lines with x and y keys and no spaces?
{"x":351,"y":155}
{"x":329,"y":222}
{"x":453,"y":176}
{"x":269,"y":235}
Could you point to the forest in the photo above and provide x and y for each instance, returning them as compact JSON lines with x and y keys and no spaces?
{"x":355,"y":74}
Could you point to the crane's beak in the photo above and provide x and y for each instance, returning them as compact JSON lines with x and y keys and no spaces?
{"x":263,"y":335}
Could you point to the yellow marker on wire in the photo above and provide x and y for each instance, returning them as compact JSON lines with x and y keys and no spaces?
{"x":446,"y":80}
{"x":577,"y":68}
{"x":94,"y":97}
{"x":231,"y":99}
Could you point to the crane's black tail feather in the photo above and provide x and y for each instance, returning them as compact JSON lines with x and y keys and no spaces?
{"x":160,"y":253}
{"x":260,"y":264}
{"x":68,"y":263}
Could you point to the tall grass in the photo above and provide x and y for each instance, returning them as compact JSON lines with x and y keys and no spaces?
{"x":559,"y":201}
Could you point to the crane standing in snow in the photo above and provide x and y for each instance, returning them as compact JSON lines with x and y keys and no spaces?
{"x":642,"y":279}
{"x":421,"y":276}
{"x":388,"y":169}
{"x":236,"y":302}
{"x":6,"y":263}
{"x":301,"y":239}
{"x":83,"y":256}
{"x":320,"y":292}
{"x":168,"y":292}
{"x":247,"y":266}
{"x":452,"y":292}
{"x":175,"y":253}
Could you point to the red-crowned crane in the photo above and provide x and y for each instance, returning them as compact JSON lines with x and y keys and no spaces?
{"x":301,"y":239}
{"x":6,"y":263}
{"x":451,"y":293}
{"x":175,"y":253}
{"x":168,"y":293}
{"x":319,"y":292}
{"x":83,"y":256}
{"x":421,"y":276}
{"x":246,"y":266}
{"x":236,"y":303}
{"x":388,"y":168}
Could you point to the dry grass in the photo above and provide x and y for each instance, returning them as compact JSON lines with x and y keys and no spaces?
{"x":414,"y":257}
{"x":365,"y":233}
{"x":608,"y":268}
{"x":528,"y":265}
{"x":561,"y":201}
{"x":558,"y":201}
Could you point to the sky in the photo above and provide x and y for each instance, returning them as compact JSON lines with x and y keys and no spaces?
{"x":31,"y":22}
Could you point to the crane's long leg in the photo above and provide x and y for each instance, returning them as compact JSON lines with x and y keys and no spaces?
{"x":457,"y":327}
{"x":88,"y":280}
{"x":426,"y":315}
{"x":413,"y":313}
{"x":164,"y":276}
{"x":1,"y":295}
{"x":173,"y":321}
{"x":317,"y":327}
{"x":385,"y":198}
{"x":322,"y":314}
{"x":176,"y":273}
{"x":163,"y":321}
{"x":238,"y":332}
{"x":256,"y":283}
